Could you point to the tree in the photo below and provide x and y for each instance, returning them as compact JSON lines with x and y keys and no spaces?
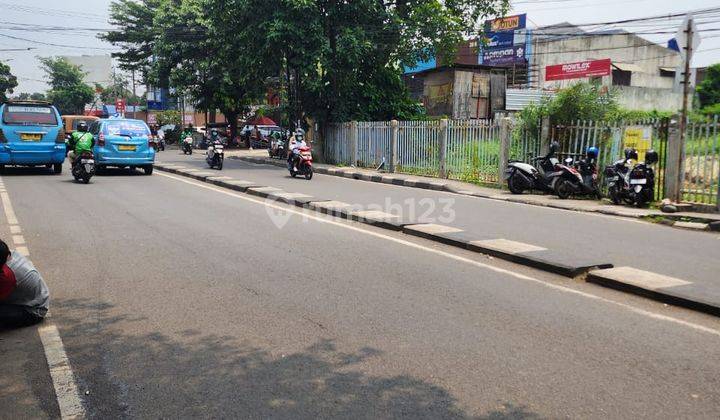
{"x":8,"y":82}
{"x":709,"y":89}
{"x":135,"y":33}
{"x":67,"y":90}
{"x":117,"y":88}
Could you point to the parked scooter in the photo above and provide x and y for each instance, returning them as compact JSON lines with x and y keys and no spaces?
{"x":215,"y":155}
{"x":83,"y":168}
{"x":187,"y":145}
{"x":277,"y":149}
{"x":522,"y":176}
{"x":634,"y":185}
{"x":578,"y":178}
{"x":302,"y":161}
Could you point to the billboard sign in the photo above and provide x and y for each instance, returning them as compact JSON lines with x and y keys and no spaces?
{"x":509,"y":23}
{"x":504,"y":56}
{"x":499,"y":39}
{"x":578,"y":70}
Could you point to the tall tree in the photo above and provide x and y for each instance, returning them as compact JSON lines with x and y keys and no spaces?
{"x":134,"y":33}
{"x":67,"y":90}
{"x":8,"y":82}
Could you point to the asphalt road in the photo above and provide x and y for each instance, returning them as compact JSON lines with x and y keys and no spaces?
{"x":688,"y":255}
{"x":176,"y":299}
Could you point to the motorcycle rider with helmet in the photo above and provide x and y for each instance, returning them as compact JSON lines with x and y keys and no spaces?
{"x":80,"y":141}
{"x":297,"y":141}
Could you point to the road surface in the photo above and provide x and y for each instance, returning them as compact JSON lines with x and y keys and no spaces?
{"x":177,"y":299}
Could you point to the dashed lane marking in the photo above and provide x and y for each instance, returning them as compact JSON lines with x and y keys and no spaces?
{"x":61,"y":373}
{"x":63,"y":379}
{"x":350,"y":226}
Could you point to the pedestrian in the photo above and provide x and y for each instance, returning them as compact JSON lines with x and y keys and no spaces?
{"x":24,"y":296}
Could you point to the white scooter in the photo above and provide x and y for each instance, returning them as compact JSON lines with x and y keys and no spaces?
{"x":215,"y":155}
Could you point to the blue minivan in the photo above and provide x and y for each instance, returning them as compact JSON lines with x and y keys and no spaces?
{"x":31,"y":134}
{"x":123,"y":143}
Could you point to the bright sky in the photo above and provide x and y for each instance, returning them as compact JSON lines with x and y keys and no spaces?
{"x":16,"y":15}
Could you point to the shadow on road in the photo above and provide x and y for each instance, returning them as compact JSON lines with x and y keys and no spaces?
{"x":208,"y":376}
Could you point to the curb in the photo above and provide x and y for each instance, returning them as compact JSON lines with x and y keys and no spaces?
{"x":393,"y":179}
{"x":593,"y":271}
{"x":664,"y":295}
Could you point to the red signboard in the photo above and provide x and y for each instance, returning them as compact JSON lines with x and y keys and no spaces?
{"x":120,"y":106}
{"x":578,"y":70}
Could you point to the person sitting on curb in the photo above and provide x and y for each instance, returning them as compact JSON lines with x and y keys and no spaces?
{"x":24,"y":296}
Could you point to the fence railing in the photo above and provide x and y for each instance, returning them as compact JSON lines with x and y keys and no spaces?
{"x":701,"y":163}
{"x":477,"y":150}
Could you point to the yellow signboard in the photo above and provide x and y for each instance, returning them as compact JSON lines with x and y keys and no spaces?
{"x":638,"y":137}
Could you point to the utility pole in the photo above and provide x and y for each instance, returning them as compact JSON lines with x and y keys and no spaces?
{"x":675,"y":193}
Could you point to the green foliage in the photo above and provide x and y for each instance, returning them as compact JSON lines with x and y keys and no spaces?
{"x":117,"y":88}
{"x":581,"y":101}
{"x":168,"y":117}
{"x":34,"y":96}
{"x":709,"y":90}
{"x":713,"y":109}
{"x":135,"y":33}
{"x":335,"y":60}
{"x":8,"y":82}
{"x":67,"y":90}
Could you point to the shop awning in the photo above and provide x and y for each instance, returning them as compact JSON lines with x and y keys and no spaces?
{"x":628,"y":67}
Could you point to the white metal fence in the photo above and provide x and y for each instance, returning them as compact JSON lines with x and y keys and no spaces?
{"x":474,"y":150}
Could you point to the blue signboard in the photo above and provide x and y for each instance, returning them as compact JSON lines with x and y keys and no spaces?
{"x":499,"y":39}
{"x":503,"y":56}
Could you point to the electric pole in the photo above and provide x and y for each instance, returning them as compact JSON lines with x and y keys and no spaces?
{"x":686,"y":81}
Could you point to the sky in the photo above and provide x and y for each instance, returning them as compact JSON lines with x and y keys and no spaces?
{"x":14,"y":14}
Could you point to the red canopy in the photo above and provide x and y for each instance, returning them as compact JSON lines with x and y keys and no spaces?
{"x":261,"y":121}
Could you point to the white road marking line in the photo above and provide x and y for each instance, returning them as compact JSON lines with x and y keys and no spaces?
{"x":350,"y":226}
{"x":66,"y":389}
{"x":63,"y":379}
{"x":9,"y":212}
{"x":505,"y":245}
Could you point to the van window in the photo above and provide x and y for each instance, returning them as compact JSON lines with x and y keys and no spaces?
{"x":132,"y":128}
{"x":29,"y":115}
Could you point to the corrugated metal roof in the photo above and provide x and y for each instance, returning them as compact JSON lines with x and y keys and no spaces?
{"x":517,"y":99}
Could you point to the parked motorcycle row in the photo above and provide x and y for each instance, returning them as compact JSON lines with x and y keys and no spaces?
{"x":627,"y":182}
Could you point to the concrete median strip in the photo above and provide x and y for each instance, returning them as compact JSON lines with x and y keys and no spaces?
{"x":659,"y":287}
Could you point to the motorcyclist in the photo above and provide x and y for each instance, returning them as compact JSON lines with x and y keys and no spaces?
{"x":297,"y":141}
{"x":187,"y":132}
{"x":80,"y":141}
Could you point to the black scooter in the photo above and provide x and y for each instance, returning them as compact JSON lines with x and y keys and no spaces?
{"x":522,"y":176}
{"x":632,"y":185}
{"x":579,"y":178}
{"x":83,"y":168}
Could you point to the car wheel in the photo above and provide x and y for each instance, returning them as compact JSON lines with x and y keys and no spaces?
{"x":148,"y":170}
{"x":57,"y":168}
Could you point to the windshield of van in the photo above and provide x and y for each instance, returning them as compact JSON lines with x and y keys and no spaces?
{"x":29,"y":115}
{"x":126,"y":128}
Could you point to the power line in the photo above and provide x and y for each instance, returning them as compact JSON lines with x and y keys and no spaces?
{"x":57,"y":45}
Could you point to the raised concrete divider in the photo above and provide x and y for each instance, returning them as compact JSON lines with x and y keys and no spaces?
{"x":525,"y":254}
{"x":665,"y":289}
